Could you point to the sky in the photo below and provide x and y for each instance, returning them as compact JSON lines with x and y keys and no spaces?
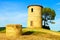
{"x":16,"y":11}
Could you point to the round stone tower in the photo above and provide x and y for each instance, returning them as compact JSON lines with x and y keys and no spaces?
{"x":34,"y":16}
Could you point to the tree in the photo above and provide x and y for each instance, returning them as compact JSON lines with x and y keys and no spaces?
{"x":48,"y":14}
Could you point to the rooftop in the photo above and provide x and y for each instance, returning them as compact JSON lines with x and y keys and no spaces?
{"x":35,"y":5}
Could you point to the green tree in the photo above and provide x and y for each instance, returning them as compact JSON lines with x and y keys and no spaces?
{"x":48,"y":14}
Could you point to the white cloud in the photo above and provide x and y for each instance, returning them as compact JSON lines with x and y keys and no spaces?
{"x":55,"y":26}
{"x":58,"y":9}
{"x":58,"y":22}
{"x":17,"y":19}
{"x":58,"y":3}
{"x":2,"y":18}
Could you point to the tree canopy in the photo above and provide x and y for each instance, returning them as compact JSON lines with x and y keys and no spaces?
{"x":48,"y":14}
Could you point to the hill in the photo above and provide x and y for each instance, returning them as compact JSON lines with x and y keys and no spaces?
{"x":42,"y":34}
{"x":34,"y":34}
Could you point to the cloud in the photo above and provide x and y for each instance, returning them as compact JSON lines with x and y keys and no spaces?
{"x":58,"y":9}
{"x":12,"y":13}
{"x":58,"y":3}
{"x":17,"y":19}
{"x":55,"y":26}
{"x":2,"y":18}
{"x":58,"y":22}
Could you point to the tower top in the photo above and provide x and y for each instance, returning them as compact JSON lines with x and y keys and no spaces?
{"x":35,"y":5}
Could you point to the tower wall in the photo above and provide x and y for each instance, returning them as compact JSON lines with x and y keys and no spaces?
{"x":34,"y":16}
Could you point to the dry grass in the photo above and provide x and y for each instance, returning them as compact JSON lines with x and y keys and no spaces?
{"x":34,"y":34}
{"x":2,"y":36}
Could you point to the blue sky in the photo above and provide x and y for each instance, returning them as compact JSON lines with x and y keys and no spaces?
{"x":15,"y":11}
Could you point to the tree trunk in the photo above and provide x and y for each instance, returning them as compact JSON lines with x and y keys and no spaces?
{"x":45,"y":20}
{"x":44,"y":23}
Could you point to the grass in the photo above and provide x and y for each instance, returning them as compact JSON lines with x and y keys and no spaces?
{"x":41,"y":31}
{"x":3,"y":31}
{"x":34,"y":30}
{"x":37,"y":34}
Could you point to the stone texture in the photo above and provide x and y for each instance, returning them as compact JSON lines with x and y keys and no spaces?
{"x":35,"y":17}
{"x":13,"y":30}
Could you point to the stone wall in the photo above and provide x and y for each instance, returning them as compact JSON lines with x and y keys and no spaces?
{"x":13,"y":30}
{"x":34,"y":17}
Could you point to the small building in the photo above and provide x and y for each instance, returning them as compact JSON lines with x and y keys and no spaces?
{"x":13,"y":30}
{"x":34,"y":16}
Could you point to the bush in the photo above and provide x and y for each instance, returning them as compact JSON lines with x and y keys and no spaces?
{"x":46,"y":27}
{"x":2,"y":28}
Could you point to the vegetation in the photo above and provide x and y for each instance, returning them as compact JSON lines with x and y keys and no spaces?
{"x":48,"y":15}
{"x":34,"y":34}
{"x":41,"y":33}
{"x":2,"y":29}
{"x":58,"y":31}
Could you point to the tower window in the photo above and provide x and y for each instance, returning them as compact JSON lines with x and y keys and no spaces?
{"x":31,"y":9}
{"x":31,"y":23}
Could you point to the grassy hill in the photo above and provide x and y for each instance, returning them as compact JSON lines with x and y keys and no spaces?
{"x":44,"y":33}
{"x":42,"y":30}
{"x":36,"y":34}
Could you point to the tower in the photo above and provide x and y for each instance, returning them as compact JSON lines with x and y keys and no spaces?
{"x":34,"y":16}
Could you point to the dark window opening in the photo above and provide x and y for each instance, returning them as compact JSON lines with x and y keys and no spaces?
{"x":31,"y":9}
{"x":31,"y":23}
